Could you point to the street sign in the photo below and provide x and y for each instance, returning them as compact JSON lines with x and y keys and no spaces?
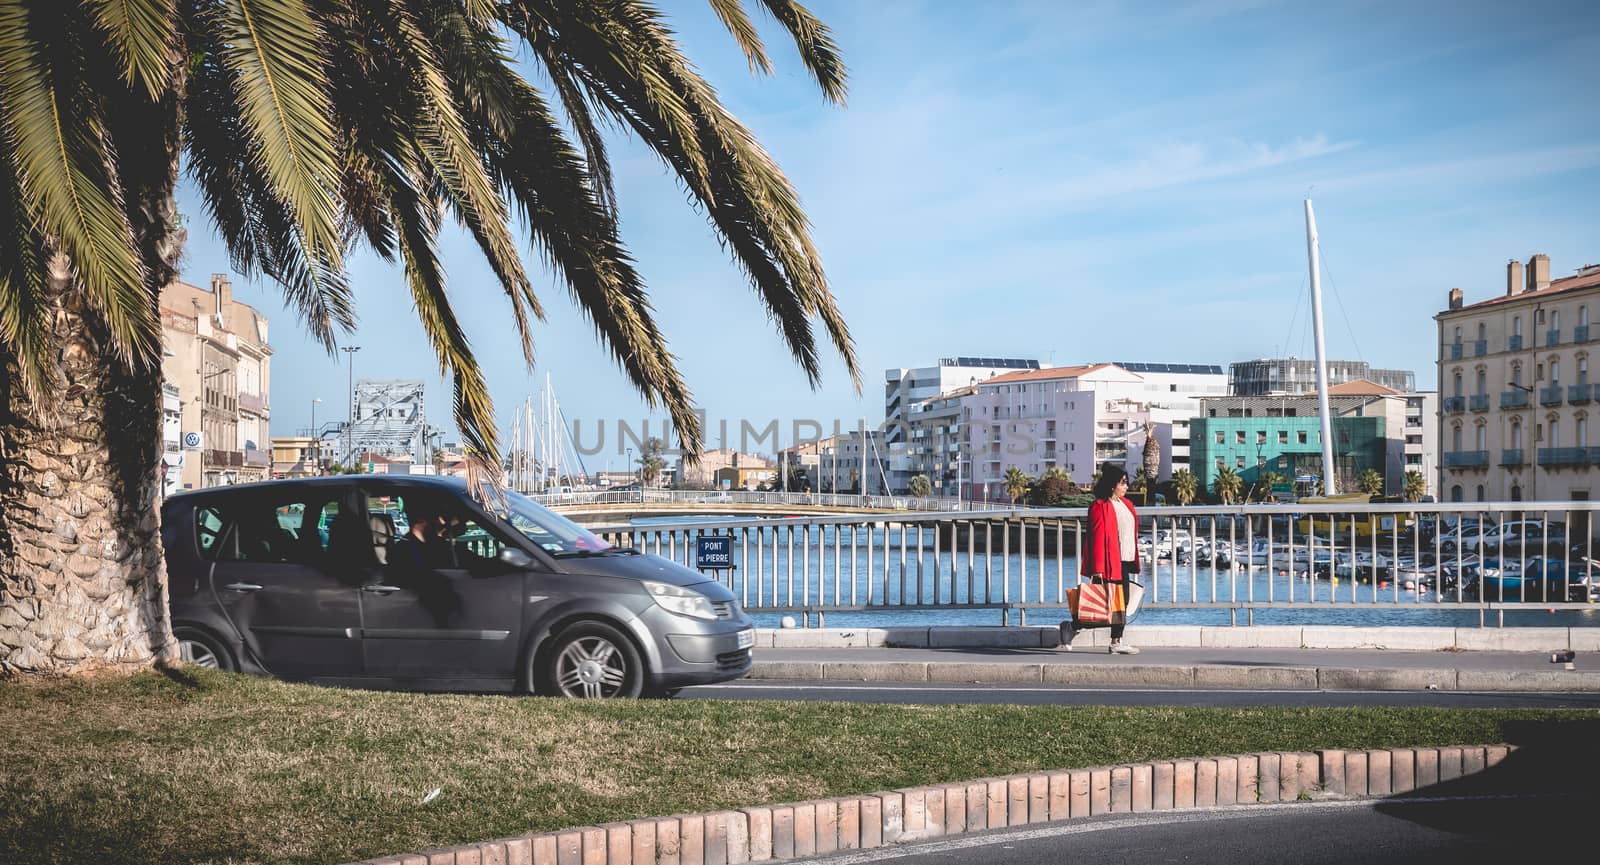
{"x":713,"y":553}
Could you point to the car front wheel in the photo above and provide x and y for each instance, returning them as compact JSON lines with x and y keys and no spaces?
{"x":201,"y":649}
{"x":593,"y":659}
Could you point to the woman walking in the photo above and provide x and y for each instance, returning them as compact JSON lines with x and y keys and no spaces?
{"x":1111,"y":551}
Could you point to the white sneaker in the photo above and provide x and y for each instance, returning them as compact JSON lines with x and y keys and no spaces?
{"x":1122,"y":649}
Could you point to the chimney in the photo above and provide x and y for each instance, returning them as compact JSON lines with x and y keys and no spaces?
{"x":1539,"y":272}
{"x":1513,"y":277}
{"x":1455,"y":298}
{"x":223,"y":290}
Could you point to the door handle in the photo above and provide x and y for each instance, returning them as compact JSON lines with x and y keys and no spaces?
{"x":380,"y":589}
{"x":242,"y":587}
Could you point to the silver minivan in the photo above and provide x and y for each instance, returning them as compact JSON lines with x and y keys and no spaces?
{"x":309,"y":579}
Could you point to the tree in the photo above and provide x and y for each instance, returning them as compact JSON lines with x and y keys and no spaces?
{"x":1017,"y":482}
{"x":921,"y":487}
{"x":1227,"y":485}
{"x":1415,"y":487}
{"x":308,"y":127}
{"x":1264,"y":484}
{"x":1054,"y":489}
{"x":1370,"y":482}
{"x":1184,"y":486}
{"x":650,"y":461}
{"x":1151,"y":463}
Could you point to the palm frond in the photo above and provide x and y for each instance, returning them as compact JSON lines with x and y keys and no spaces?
{"x":60,"y":154}
{"x":258,"y":226}
{"x":744,"y":33}
{"x":817,"y":49}
{"x":271,"y":50}
{"x":23,"y":317}
{"x":143,"y":33}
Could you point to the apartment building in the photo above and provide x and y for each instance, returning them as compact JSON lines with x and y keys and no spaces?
{"x":1514,"y":388}
{"x":1072,"y":418}
{"x":215,"y":352}
{"x":934,"y":448}
{"x":709,"y":472}
{"x":905,"y":387}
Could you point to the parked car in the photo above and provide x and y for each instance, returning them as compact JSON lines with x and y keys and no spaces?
{"x":306,"y":579}
{"x":1512,"y":537}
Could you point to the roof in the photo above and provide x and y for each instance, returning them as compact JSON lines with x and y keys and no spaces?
{"x":1569,"y":283}
{"x":326,"y":481}
{"x":1188,"y":368}
{"x":1360,"y":387}
{"x":1046,"y":374}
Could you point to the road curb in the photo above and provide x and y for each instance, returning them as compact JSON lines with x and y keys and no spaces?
{"x":1116,"y":672}
{"x":803,"y":829}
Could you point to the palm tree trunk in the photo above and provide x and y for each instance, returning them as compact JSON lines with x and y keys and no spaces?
{"x":82,"y":581}
{"x":82,"y":586}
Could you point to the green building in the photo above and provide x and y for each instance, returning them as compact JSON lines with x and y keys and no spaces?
{"x":1290,"y":446}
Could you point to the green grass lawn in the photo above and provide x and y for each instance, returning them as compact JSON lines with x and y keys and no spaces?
{"x":197,"y":766}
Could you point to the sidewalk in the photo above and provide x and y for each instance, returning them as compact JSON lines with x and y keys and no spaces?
{"x":1180,"y":658}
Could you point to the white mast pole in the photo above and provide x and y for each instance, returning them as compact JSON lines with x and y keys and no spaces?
{"x":1322,"y":357}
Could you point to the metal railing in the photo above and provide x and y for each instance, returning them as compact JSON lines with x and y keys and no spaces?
{"x":558,"y":501}
{"x":1489,"y":558}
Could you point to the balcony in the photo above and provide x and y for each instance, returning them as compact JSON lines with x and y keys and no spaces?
{"x":224,"y":458}
{"x":1580,"y":333}
{"x":1514,"y":343}
{"x":1512,"y":457}
{"x":1479,"y":402}
{"x":1455,"y":351}
{"x":1480,"y":347}
{"x":1455,"y":404}
{"x":1552,"y":337}
{"x":1466,"y":459}
{"x":253,"y":402}
{"x":1514,"y":399}
{"x":1563,"y":456}
{"x":1578,"y":394}
{"x":1550,"y":395}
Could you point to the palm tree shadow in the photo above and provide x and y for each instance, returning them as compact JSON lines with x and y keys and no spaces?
{"x":1542,"y":796}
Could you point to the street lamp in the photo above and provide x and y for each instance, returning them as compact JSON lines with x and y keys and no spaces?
{"x":316,"y":439}
{"x":349,"y":434}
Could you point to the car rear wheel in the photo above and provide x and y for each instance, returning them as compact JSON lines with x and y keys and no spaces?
{"x":201,"y":649}
{"x":593,"y":659}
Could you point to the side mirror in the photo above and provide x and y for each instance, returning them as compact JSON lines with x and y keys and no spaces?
{"x":515,"y":558}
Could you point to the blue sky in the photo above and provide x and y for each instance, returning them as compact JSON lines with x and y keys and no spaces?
{"x":1073,"y":182}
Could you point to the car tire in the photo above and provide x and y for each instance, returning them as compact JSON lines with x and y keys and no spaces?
{"x":592,"y":659}
{"x":202,"y":649}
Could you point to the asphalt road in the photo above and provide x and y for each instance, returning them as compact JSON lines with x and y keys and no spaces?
{"x":938,"y":693}
{"x":1491,"y":829}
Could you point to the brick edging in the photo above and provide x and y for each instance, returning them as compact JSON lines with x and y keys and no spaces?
{"x":799,"y":829}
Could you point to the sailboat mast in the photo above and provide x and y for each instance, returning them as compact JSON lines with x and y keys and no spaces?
{"x":1322,"y":356}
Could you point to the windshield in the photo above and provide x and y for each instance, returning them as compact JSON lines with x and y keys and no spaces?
{"x":553,"y":533}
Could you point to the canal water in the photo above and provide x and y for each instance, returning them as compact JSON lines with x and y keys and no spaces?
{"x":775,"y":576}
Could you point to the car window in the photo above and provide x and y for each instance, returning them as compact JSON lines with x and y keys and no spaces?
{"x":553,"y":533}
{"x":266,"y":528}
{"x":446,"y":534}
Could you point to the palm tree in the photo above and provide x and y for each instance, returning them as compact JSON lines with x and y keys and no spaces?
{"x":921,"y":487}
{"x":1017,"y":482}
{"x":650,"y":461}
{"x":1185,"y":485}
{"x":309,"y":126}
{"x":1152,"y":460}
{"x":1228,"y":484}
{"x":1370,"y":482}
{"x":1415,"y":486}
{"x":1265,"y":482}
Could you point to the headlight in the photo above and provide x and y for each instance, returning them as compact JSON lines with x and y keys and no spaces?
{"x":684,"y":602}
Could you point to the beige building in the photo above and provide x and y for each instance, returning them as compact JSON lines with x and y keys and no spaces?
{"x":710,"y":470}
{"x":1516,"y":404}
{"x":215,"y":352}
{"x":295,"y":457}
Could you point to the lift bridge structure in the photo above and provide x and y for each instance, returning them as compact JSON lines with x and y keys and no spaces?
{"x":388,"y":418}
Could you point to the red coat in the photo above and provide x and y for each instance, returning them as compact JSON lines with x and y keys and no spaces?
{"x":1102,"y":549}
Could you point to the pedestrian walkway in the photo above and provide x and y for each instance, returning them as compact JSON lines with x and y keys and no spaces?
{"x":1540,"y":664}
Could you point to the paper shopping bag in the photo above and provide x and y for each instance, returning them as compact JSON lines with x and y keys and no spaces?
{"x":1094,"y":604}
{"x":1135,"y":595}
